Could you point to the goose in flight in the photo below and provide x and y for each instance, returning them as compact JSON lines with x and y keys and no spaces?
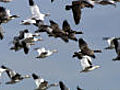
{"x":37,"y":17}
{"x":57,"y":32}
{"x":63,"y":86}
{"x":106,"y":2}
{"x":5,"y":15}
{"x":41,"y":83}
{"x":110,"y":42}
{"x":15,"y":77}
{"x":85,"y":50}
{"x":117,"y":48}
{"x":76,"y":11}
{"x":19,"y":44}
{"x":5,"y":1}
{"x":42,"y":52}
{"x":71,"y":33}
{"x":86,"y":63}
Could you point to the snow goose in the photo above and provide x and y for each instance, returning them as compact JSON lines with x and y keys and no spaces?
{"x":71,"y":33}
{"x":19,"y":44}
{"x":15,"y":77}
{"x":106,"y":2}
{"x":117,"y":49}
{"x":85,"y":50}
{"x":63,"y":86}
{"x":57,"y":32}
{"x":86,"y":63}
{"x":6,"y":16}
{"x":76,"y":10}
{"x":5,"y":1}
{"x":110,"y":42}
{"x":41,"y":83}
{"x":42,"y":52}
{"x":37,"y":17}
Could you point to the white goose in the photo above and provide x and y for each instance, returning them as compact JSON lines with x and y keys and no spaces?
{"x":42,"y":52}
{"x":41,"y":83}
{"x":86,"y":63}
{"x":37,"y":16}
{"x":15,"y":77}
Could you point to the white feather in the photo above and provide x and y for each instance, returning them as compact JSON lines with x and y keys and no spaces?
{"x":36,"y":13}
{"x":39,"y":81}
{"x":84,"y":61}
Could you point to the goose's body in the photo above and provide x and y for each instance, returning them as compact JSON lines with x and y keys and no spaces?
{"x":41,"y":83}
{"x":19,"y":44}
{"x":85,"y":50}
{"x":37,"y":17}
{"x":15,"y":77}
{"x":63,"y":86}
{"x":42,"y":52}
{"x":57,"y":32}
{"x":71,"y":33}
{"x":44,"y":28}
{"x":86,"y":63}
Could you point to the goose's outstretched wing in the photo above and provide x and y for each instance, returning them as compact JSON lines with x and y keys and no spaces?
{"x":66,"y":26}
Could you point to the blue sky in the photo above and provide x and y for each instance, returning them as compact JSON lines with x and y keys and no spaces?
{"x":96,"y":23}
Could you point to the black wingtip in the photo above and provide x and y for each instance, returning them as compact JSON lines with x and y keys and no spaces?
{"x":4,"y":67}
{"x":52,"y":1}
{"x":31,"y":2}
{"x":25,"y":47}
{"x":34,"y":76}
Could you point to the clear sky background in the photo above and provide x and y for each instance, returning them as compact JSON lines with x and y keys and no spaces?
{"x":96,"y":23}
